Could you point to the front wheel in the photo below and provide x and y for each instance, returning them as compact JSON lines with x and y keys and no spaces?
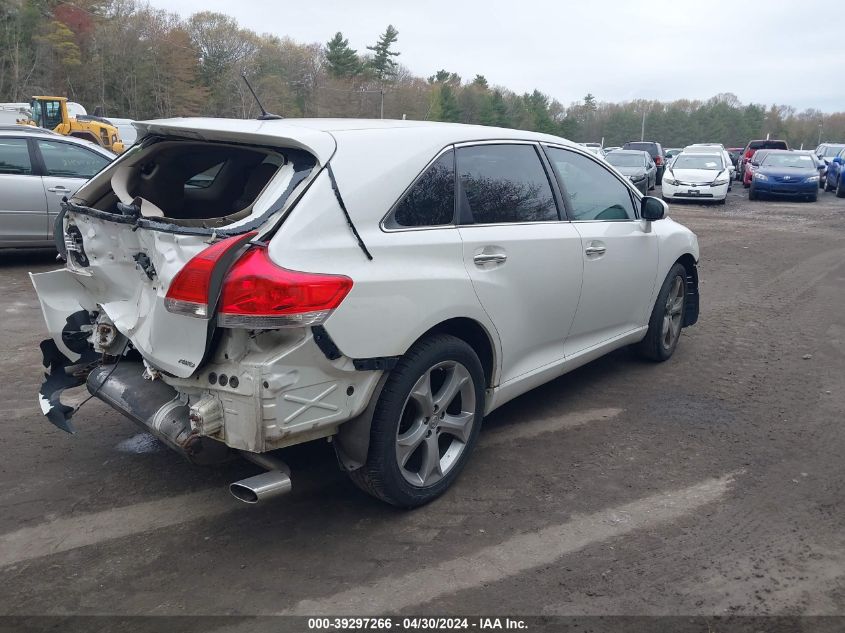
{"x":667,"y":317}
{"x":752,"y":194}
{"x":840,"y":190}
{"x":425,"y":423}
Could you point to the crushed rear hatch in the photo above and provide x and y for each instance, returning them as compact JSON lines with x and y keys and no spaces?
{"x":129,"y":231}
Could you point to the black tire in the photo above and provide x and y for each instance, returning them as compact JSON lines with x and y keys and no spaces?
{"x":840,"y":190}
{"x":813,"y":198}
{"x":821,"y":183}
{"x":827,"y":187}
{"x":722,"y":201}
{"x":752,"y":193}
{"x":382,"y":476}
{"x":653,"y":346}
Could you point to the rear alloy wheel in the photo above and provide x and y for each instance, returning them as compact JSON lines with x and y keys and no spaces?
{"x":425,"y":424}
{"x":667,"y":317}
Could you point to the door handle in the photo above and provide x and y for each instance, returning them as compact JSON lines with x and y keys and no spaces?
{"x":595,"y":250}
{"x":59,"y":189}
{"x":489,"y":258}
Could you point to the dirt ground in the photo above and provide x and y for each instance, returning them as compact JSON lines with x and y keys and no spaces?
{"x":708,"y":485}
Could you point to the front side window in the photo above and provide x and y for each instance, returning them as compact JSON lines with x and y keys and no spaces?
{"x":431,"y":199}
{"x":71,"y":161}
{"x":14,"y":157}
{"x":503,"y":183}
{"x":594,"y":193}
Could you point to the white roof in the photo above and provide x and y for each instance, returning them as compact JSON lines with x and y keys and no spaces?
{"x":320,"y":136}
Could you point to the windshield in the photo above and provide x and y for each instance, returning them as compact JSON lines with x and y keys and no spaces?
{"x":625,"y":160}
{"x":832,"y":150}
{"x":698,"y":161}
{"x":800,"y":161}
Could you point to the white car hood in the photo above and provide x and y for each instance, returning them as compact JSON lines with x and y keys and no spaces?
{"x":695,"y":176}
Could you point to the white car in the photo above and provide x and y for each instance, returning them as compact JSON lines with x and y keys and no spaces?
{"x":709,"y":148}
{"x":241,"y":286}
{"x":697,"y":175}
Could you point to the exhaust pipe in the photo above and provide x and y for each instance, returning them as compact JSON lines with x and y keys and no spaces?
{"x":156,"y":408}
{"x":274,"y":483}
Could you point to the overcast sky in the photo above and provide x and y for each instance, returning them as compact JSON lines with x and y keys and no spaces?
{"x":779,"y":51}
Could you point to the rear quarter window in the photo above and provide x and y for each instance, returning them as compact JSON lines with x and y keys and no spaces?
{"x":431,"y":199}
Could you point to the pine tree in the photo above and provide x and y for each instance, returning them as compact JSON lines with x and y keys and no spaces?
{"x":382,"y":64}
{"x":341,"y":60}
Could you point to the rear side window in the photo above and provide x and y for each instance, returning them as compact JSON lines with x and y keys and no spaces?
{"x":204,"y":179}
{"x":64,"y":159}
{"x":431,"y":199}
{"x":651,"y":148}
{"x":503,"y":183}
{"x":594,"y":193}
{"x":14,"y":156}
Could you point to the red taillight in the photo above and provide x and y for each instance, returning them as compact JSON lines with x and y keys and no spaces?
{"x":259,"y":294}
{"x":189,"y":290}
{"x":658,"y":160}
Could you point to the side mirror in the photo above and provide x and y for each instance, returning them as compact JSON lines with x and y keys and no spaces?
{"x":653,"y":208}
{"x":838,"y":160}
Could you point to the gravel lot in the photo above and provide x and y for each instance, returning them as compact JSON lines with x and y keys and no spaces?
{"x":709,"y":485}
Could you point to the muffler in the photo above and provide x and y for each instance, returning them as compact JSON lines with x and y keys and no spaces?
{"x":156,"y":408}
{"x":275,"y":482}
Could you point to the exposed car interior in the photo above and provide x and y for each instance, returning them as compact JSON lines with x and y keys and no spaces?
{"x":190,"y":183}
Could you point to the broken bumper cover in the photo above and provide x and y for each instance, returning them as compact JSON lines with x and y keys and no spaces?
{"x":62,"y":374}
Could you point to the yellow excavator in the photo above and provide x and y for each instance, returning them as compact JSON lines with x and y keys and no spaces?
{"x":52,"y":113}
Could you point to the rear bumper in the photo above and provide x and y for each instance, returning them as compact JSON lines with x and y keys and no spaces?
{"x":256,"y":392}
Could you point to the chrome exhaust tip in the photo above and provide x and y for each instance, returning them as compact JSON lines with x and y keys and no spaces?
{"x":261,"y":487}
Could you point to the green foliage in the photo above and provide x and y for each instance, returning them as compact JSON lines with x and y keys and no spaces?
{"x":382,"y":63}
{"x":341,"y":59}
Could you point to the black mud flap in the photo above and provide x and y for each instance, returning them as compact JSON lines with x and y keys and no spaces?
{"x":63,"y":373}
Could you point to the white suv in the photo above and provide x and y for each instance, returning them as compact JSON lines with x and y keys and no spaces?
{"x":241,"y":286}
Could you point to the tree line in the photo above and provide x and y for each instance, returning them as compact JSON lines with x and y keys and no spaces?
{"x":139,"y":62}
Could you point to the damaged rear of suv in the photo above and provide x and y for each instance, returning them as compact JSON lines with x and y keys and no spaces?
{"x":236,"y":287}
{"x":171,"y":309}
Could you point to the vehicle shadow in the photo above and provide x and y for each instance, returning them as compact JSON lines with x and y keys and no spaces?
{"x":28,"y":257}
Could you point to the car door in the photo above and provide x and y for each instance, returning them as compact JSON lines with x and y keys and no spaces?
{"x":23,"y":205}
{"x":523,"y":259}
{"x":66,"y":166}
{"x":619,"y":251}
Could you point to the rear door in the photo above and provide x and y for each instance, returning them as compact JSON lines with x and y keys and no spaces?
{"x":66,"y":167}
{"x":23,"y":205}
{"x":618,"y":252}
{"x":523,"y":259}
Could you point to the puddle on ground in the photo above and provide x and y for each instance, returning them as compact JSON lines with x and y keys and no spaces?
{"x":141,"y":443}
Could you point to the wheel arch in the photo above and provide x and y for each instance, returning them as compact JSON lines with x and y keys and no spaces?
{"x":692,"y":303}
{"x":352,"y":441}
{"x":476,"y":336}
